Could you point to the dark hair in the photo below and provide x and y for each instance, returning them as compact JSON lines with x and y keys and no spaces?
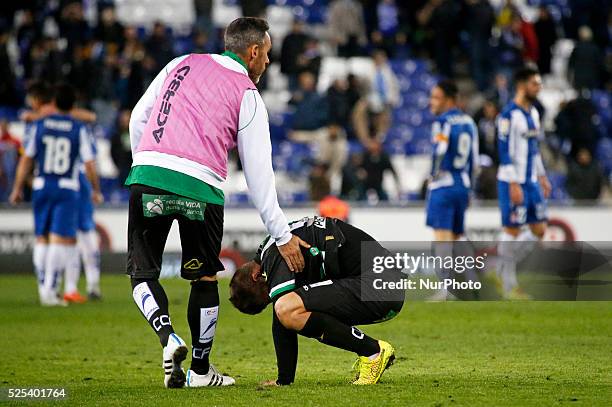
{"x":64,"y":97}
{"x":243,"y":32}
{"x":248,"y":296}
{"x":41,"y":91}
{"x":523,"y":74}
{"x":449,"y":88}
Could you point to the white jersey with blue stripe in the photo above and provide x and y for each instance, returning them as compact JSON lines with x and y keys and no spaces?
{"x":519,"y":133}
{"x":58,"y":144}
{"x":455,"y":150}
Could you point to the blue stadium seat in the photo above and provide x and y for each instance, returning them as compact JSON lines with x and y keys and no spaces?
{"x":9,"y":113}
{"x":604,"y":154}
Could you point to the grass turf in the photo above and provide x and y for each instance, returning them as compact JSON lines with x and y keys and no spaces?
{"x":449,"y":354}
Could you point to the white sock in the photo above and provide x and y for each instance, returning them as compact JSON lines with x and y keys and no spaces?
{"x":38,"y":258}
{"x":58,"y":256}
{"x":506,"y":264}
{"x":90,"y":252}
{"x":470,"y":272}
{"x":73,"y":271}
{"x":527,"y":241}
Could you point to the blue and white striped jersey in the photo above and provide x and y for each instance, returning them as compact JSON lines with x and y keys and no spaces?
{"x":518,"y":133}
{"x":58,"y":144}
{"x":455,"y":150}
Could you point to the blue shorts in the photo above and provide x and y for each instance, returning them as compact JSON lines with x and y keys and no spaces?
{"x":86,"y":207}
{"x":55,"y":211}
{"x":446,"y":208}
{"x":532,"y":210}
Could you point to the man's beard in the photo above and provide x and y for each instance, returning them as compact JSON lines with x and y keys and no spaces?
{"x":531,"y":99}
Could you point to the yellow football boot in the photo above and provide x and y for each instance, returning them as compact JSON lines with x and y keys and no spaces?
{"x":370,"y":371}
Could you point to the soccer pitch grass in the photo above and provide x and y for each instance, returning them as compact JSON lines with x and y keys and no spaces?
{"x":449,"y":354}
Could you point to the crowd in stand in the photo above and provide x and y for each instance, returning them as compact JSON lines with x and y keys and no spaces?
{"x":475,"y":41}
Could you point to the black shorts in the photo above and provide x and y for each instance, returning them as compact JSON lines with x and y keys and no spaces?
{"x":342,"y":299}
{"x":200,"y":226}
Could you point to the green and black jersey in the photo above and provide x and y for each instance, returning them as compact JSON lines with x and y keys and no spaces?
{"x":335,"y":253}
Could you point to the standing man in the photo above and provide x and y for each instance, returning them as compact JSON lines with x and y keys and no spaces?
{"x":522,"y":182}
{"x":57,"y":144}
{"x":198,"y":108}
{"x":454,"y":163}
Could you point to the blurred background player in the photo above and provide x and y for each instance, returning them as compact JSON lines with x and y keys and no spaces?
{"x":57,"y":144}
{"x":196,"y":109}
{"x":41,"y":100}
{"x":522,"y":183}
{"x":454,"y":163}
{"x":333,"y":293}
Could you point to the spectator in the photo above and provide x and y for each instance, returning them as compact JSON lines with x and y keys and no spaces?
{"x":576,"y":122}
{"x":546,"y":31}
{"x":109,"y":30}
{"x":8,"y":88}
{"x":310,"y":59}
{"x":486,"y":185}
{"x":204,"y":24}
{"x":384,"y":94}
{"x":27,"y":32}
{"x":159,"y":46}
{"x":311,"y":125}
{"x":501,"y":91}
{"x":375,"y":163}
{"x":80,"y":75}
{"x":310,"y":109}
{"x":531,"y":46}
{"x":511,"y":47}
{"x":293,"y":46}
{"x":346,"y":26}
{"x":354,"y":90}
{"x":201,"y":43}
{"x":441,"y":17}
{"x":586,"y":62}
{"x":584,"y":177}
{"x":133,"y":50}
{"x":479,"y":19}
{"x":372,"y":114}
{"x":73,"y":26}
{"x":121,"y":151}
{"x":319,"y":182}
{"x":45,"y":61}
{"x":485,"y":119}
{"x":353,"y":179}
{"x":339,"y":103}
{"x":386,"y":35}
{"x":10,"y":148}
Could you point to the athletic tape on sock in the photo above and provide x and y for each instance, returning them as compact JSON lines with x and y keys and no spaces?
{"x":143,"y":297}
{"x":208,"y":323}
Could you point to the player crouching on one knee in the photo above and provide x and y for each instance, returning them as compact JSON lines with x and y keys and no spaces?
{"x":324,"y":301}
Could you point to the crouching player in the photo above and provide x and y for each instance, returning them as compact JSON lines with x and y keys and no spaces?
{"x":326,"y":300}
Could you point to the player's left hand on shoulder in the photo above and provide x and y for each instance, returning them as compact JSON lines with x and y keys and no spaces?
{"x":292,"y":253}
